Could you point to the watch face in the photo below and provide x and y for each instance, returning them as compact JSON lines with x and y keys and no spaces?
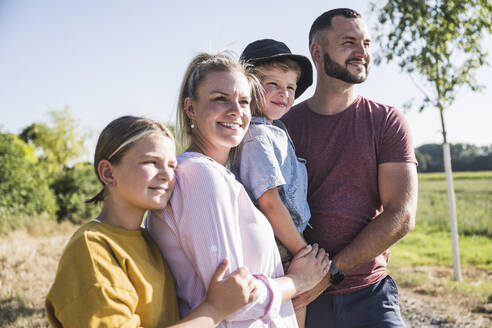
{"x":336,"y":276}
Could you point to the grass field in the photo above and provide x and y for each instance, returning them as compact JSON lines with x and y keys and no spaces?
{"x":430,"y":242}
{"x":421,"y":263}
{"x":473,"y":192}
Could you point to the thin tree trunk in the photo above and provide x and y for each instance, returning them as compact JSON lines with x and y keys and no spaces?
{"x":452,"y":213}
{"x":443,"y":127}
{"x":451,"y":201}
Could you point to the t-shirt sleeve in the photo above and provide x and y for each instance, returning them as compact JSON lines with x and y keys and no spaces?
{"x":259,"y":168}
{"x":82,"y":296}
{"x":207,"y":221}
{"x":396,"y":141}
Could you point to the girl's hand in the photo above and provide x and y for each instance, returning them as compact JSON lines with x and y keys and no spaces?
{"x":230,"y":294}
{"x":308,"y":267}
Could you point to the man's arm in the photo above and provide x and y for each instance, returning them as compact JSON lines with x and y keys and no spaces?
{"x":398,"y":194}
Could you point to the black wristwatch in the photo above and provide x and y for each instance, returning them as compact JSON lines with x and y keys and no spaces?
{"x":336,"y":276}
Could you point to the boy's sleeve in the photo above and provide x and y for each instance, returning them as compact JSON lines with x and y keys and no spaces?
{"x":259,"y":167}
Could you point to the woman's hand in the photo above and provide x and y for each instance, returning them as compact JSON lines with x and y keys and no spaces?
{"x":308,"y":267}
{"x":230,"y":294}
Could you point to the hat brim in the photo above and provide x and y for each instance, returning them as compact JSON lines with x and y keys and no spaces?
{"x":306,"y":78}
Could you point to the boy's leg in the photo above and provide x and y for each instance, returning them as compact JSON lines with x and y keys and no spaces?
{"x":301,"y":317}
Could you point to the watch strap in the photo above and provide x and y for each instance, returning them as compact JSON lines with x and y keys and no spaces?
{"x":336,"y":275}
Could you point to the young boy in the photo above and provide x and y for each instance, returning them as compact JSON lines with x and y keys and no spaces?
{"x":266,"y":163}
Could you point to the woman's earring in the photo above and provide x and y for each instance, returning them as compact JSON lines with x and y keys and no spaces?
{"x":192,"y":125}
{"x":110,"y":184}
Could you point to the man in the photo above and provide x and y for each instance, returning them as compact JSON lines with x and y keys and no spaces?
{"x":360,"y":160}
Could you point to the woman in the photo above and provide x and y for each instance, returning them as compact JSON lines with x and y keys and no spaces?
{"x":211,"y":217}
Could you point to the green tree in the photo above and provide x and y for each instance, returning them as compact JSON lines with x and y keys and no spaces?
{"x":24,"y":187}
{"x":59,"y":143}
{"x":463,"y":156}
{"x":179,"y":147}
{"x":72,"y":187}
{"x":440,"y":41}
{"x":433,"y":157}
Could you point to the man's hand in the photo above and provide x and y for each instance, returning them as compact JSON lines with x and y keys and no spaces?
{"x":304,"y":299}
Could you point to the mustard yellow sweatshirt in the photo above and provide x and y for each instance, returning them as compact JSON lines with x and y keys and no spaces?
{"x":111,"y":277}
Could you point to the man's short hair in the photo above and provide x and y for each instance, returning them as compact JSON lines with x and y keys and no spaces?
{"x":324,"y":21}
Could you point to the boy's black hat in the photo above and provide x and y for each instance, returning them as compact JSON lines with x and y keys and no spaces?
{"x":265,"y":50}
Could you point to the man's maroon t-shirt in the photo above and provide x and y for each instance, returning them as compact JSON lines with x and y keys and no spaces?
{"x":343,"y":152}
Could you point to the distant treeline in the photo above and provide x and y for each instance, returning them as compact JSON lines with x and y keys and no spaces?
{"x":464,"y":157}
{"x":38,"y":174}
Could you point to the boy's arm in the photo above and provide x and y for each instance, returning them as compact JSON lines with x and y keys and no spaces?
{"x":283,"y":226}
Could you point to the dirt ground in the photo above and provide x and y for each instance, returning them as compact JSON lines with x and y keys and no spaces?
{"x":28,"y":265}
{"x":429,"y":311}
{"x":434,"y":305}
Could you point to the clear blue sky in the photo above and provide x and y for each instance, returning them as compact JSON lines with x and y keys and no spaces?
{"x":109,"y":58}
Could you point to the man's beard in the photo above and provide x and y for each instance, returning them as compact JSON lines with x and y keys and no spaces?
{"x":334,"y":69}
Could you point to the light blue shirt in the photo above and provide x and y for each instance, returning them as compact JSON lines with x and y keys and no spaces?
{"x":267,"y":159}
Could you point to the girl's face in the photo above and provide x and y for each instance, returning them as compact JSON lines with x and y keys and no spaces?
{"x":221,"y":112}
{"x":144,"y":178}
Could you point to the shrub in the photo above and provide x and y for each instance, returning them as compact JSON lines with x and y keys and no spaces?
{"x":24,"y":187}
{"x":72,"y":187}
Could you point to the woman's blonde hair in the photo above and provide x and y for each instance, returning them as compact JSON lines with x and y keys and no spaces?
{"x":201,"y":65}
{"x":118,"y":137}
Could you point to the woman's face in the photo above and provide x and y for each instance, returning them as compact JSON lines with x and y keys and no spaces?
{"x":221,"y":113}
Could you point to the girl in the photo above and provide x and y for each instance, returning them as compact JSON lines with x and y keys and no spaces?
{"x":111,"y":273}
{"x":210,"y":214}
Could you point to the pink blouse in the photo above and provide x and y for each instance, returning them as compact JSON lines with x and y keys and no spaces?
{"x":211,"y":218}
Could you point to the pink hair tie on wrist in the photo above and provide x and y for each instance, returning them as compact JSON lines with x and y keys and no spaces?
{"x":264,"y":280}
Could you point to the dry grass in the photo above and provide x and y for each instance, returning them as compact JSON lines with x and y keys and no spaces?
{"x":28,"y":267}
{"x":28,"y":263}
{"x":429,"y":292}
